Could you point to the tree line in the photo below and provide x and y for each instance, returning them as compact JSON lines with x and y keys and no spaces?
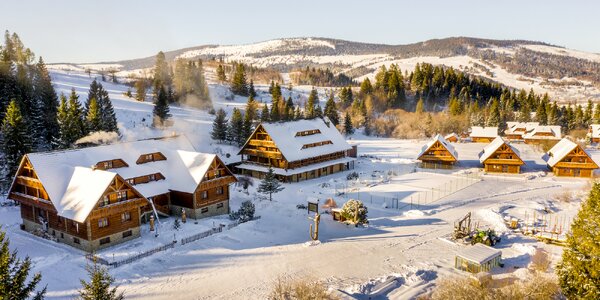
{"x":320,"y":77}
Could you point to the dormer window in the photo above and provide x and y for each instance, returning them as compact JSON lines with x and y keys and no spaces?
{"x":111,"y":164}
{"x":108,"y":165}
{"x":308,"y":132}
{"x":150,"y":157}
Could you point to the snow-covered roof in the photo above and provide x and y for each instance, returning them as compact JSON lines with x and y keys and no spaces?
{"x":559,"y":151}
{"x":479,"y":253}
{"x":446,"y":144}
{"x":595,"y":128}
{"x":512,"y":126}
{"x":290,"y":172}
{"x":292,"y":147}
{"x":555,"y":132}
{"x":478,"y":131}
{"x":74,"y":186}
{"x":492,"y":147}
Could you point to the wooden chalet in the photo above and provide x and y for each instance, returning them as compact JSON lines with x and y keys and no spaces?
{"x":501,"y":157}
{"x":296,"y":150}
{"x":452,"y":138}
{"x":483,"y":134}
{"x":567,"y":158}
{"x":437,"y":154}
{"x":543,"y":134}
{"x":516,"y":130}
{"x":594,"y":133}
{"x":95,"y":197}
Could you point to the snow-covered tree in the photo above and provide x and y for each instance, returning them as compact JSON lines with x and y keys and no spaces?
{"x":235,"y":131}
{"x":348,"y":127}
{"x":219,"y":131}
{"x":99,"y":286}
{"x":93,"y":121}
{"x":579,"y":270}
{"x":245,"y":213}
{"x":14,"y":273}
{"x":270,"y":184}
{"x":350,"y":209}
{"x":16,"y":142}
{"x":161,"y":107}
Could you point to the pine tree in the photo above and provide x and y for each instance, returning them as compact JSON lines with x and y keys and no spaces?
{"x":366,"y":88}
{"x":587,"y":115}
{"x":309,"y":109}
{"x":264,"y":116}
{"x":14,"y":273}
{"x":221,"y":73}
{"x":239,"y":86}
{"x":348,"y":128}
{"x":275,"y":109}
{"x":420,"y":106}
{"x":540,"y":114}
{"x":494,"y":115}
{"x":99,"y":286}
{"x":161,"y":108}
{"x":331,"y":111}
{"x":93,"y":121}
{"x":106,"y":112}
{"x":368,"y":127}
{"x":140,"y":90}
{"x":318,"y":111}
{"x":47,"y":105}
{"x":596,"y":118}
{"x":74,"y":119}
{"x":578,"y":271}
{"x":346,"y":97}
{"x":16,"y":142}
{"x":162,"y":72}
{"x":235,"y":129}
{"x":270,"y":184}
{"x":251,"y":107}
{"x":62,"y":116}
{"x":297,"y":113}
{"x":251,"y":90}
{"x":246,"y":128}
{"x":219,"y":131}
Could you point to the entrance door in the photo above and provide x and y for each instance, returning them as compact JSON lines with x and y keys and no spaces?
{"x":576,"y":172}
{"x":504,"y":168}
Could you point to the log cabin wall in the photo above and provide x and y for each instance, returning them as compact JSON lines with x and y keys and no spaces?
{"x":575,"y":164}
{"x":261,"y":149}
{"x":503,"y":160}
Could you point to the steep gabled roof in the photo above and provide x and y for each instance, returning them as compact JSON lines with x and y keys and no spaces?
{"x":446,"y":144}
{"x":492,"y":147}
{"x":512,"y":126}
{"x":74,"y":185}
{"x":452,"y":135}
{"x":488,"y":132}
{"x":284,"y":135}
{"x":554,"y":130}
{"x":559,"y":151}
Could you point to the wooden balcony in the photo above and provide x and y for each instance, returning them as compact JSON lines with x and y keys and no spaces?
{"x":213,"y":183}
{"x":28,"y":181}
{"x":261,"y":143}
{"x":267,"y":154}
{"x":447,"y":158}
{"x":211,"y":201}
{"x":32,"y":200}
{"x":512,"y":162}
{"x":574,"y":165}
{"x":117,"y":208}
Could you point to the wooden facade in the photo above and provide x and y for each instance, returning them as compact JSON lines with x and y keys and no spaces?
{"x":261,"y":150}
{"x":503,"y":160}
{"x":577,"y":163}
{"x":482,"y":139}
{"x":437,"y":155}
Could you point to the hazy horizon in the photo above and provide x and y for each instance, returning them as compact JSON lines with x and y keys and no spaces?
{"x":92,"y":31}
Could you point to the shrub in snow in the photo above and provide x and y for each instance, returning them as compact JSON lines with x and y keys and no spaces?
{"x":245,"y":213}
{"x":350,"y":209}
{"x":176,"y":224}
{"x":299,"y":289}
{"x":301,"y":206}
{"x":352,"y":176}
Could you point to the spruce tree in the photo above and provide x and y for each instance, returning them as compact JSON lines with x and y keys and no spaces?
{"x":318,"y":111}
{"x":140,"y":90}
{"x":313,"y":100}
{"x":275,"y":116}
{"x":297,"y":113}
{"x":14,"y":272}
{"x":331,"y":111}
{"x":221,"y":73}
{"x":366,"y":88}
{"x":162,"y":72}
{"x":264,"y":116}
{"x":251,"y":107}
{"x":16,"y":142}
{"x":494,"y":116}
{"x":270,"y":184}
{"x":64,"y":127}
{"x":219,"y":131}
{"x":596,"y":117}
{"x":99,"y":285}
{"x":93,"y":121}
{"x":161,"y":107}
{"x":235,"y":129}
{"x":239,"y":86}
{"x":348,"y":128}
{"x":578,"y":272}
{"x":47,"y":105}
{"x":420,"y":108}
{"x":251,"y":90}
{"x":246,"y":128}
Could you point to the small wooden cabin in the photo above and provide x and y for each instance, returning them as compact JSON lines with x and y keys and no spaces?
{"x":438,"y":154}
{"x":483,"y":134}
{"x":594,"y":133}
{"x":452,"y":138}
{"x":516,"y":130}
{"x":501,"y":157}
{"x":296,"y":150}
{"x":478,"y":258}
{"x":567,"y":158}
{"x":95,"y":197}
{"x":543,"y":134}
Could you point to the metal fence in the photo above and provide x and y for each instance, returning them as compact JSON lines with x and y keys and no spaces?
{"x":201,"y":235}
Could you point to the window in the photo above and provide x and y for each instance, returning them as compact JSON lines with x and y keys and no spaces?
{"x":504,"y":168}
{"x":220,"y":190}
{"x":204,"y":194}
{"x":127,"y":233}
{"x":76,"y":241}
{"x":105,"y":201}
{"x":102,"y":222}
{"x":105,"y":241}
{"x":151,"y":177}
{"x":62,"y":235}
{"x":220,"y":205}
{"x":131,"y":181}
{"x":126,"y":216}
{"x":122,"y":195}
{"x":217,"y":173}
{"x":149,"y":157}
{"x":108,"y":164}
{"x":204,"y":210}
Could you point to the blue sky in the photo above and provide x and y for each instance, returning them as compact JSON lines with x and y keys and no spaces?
{"x":93,"y":31}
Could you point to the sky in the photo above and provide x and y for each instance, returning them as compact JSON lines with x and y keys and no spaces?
{"x":110,"y":30}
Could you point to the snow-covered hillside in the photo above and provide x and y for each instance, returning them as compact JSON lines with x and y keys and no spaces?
{"x":343,"y":56}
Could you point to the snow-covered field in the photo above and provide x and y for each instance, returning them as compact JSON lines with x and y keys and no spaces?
{"x":398,"y":255}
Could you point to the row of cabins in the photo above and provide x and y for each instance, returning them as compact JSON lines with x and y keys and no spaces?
{"x":566,"y":158}
{"x":526,"y":132}
{"x":95,"y":197}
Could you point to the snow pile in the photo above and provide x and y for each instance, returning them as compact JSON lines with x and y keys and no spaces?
{"x":493,"y":219}
{"x":382,"y":286}
{"x":312,"y":243}
{"x":523,"y":249}
{"x":413,"y":213}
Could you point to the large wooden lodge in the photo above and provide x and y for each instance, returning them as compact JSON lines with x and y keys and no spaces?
{"x":500,"y":157}
{"x":483,"y":134}
{"x":567,"y":158}
{"x":438,"y":154}
{"x":95,"y":197}
{"x":296,"y":150}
